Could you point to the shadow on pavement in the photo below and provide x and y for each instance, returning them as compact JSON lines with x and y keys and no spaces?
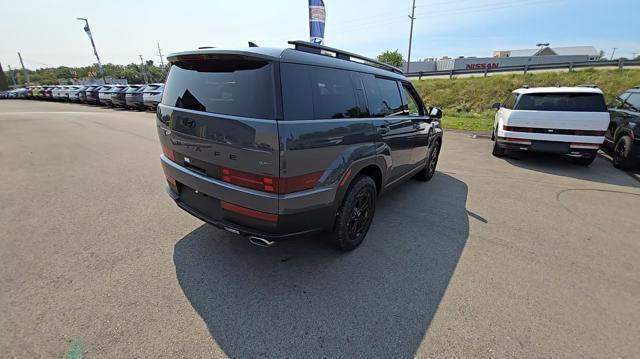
{"x":303,"y":298}
{"x":601,"y":170}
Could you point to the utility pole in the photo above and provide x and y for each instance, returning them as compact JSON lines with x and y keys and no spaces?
{"x":633,"y":56}
{"x":160,"y":56}
{"x":613,"y":52}
{"x":412,"y":17}
{"x":11,"y":74}
{"x":144,"y":72}
{"x":24,"y":71}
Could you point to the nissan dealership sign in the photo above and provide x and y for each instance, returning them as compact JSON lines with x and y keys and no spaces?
{"x":482,"y":66}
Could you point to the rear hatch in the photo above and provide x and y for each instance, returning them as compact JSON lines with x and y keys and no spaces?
{"x":217,"y":119}
{"x":561,"y":113}
{"x":153,"y":89}
{"x":134,"y":91}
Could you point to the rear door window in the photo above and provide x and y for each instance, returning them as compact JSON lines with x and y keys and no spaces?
{"x":412,"y":106}
{"x":574,"y":102}
{"x":633,"y":101}
{"x":312,"y":92}
{"x":383,"y":96}
{"x":510,"y":102}
{"x":229,"y":85}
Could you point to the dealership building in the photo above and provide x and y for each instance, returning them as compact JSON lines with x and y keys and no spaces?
{"x":509,"y":58}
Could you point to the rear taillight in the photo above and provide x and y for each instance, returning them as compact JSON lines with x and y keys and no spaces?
{"x":517,"y":129}
{"x":249,"y":180}
{"x":270,"y":217}
{"x":591,"y":146}
{"x":299,"y":183}
{"x":171,"y":180}
{"x":270,"y":184}
{"x":589,"y":133}
{"x":168,"y":153}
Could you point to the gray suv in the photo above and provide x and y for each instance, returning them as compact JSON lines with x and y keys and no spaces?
{"x":277,"y":143}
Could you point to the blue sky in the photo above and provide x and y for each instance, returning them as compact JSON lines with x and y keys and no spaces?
{"x":47,"y":33}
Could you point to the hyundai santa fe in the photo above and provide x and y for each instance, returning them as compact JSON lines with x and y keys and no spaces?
{"x":277,"y":143}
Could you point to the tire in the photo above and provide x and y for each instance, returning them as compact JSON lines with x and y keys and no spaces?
{"x":497,"y":150}
{"x":432,"y":162}
{"x":621,"y":152}
{"x":585,"y":161}
{"x":354,"y":216}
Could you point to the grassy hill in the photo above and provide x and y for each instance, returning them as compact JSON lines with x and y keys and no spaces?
{"x":467,"y":102}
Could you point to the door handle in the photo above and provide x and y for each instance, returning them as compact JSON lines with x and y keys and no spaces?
{"x":384,"y":129}
{"x":419,"y":125}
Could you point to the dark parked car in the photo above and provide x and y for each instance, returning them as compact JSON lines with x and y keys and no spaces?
{"x":622,"y":140}
{"x":152,"y":95}
{"x":117,"y":95}
{"x":92,"y":95}
{"x":104,"y":95}
{"x":82,"y":93}
{"x":133,"y":97}
{"x":46,"y":93}
{"x":273,"y":144}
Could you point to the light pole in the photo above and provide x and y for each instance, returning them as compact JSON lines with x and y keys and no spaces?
{"x":88,"y":31}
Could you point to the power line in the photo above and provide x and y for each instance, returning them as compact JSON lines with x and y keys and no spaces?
{"x":613,"y":52}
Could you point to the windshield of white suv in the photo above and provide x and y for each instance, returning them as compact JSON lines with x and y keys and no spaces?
{"x":574,"y":102}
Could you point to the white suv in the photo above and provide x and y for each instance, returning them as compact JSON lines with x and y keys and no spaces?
{"x":564,"y":120}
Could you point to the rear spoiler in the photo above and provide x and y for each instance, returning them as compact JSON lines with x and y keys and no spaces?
{"x":205,"y":54}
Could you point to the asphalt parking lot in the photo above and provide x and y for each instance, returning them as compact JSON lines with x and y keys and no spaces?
{"x":517,"y":257}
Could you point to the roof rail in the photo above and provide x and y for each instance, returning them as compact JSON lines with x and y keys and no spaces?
{"x":589,"y":85}
{"x":340,"y":54}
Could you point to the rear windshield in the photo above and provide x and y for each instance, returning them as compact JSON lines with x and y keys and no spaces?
{"x":153,"y":87}
{"x":231,"y":86}
{"x":574,"y":102}
{"x":133,"y":89}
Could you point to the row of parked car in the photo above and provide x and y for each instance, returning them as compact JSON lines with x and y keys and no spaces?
{"x":127,"y":96}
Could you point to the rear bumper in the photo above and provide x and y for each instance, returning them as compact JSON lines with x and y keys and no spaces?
{"x":118,"y":101}
{"x":151,"y":103}
{"x":297,"y":213}
{"x":573,"y":149}
{"x":135,"y":102}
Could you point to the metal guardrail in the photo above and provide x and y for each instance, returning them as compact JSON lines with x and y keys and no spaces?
{"x":526,"y":68}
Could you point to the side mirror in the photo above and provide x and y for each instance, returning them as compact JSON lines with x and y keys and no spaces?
{"x":435,"y":112}
{"x":496,"y":106}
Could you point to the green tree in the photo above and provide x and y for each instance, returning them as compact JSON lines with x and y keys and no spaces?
{"x":4,"y":83}
{"x":393,"y":58}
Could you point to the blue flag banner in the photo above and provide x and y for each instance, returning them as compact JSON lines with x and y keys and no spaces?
{"x":317,"y":16}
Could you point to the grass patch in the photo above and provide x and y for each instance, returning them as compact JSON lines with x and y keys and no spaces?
{"x":467,"y":123}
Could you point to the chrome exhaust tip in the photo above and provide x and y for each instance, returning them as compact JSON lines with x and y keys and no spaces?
{"x":257,"y":241}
